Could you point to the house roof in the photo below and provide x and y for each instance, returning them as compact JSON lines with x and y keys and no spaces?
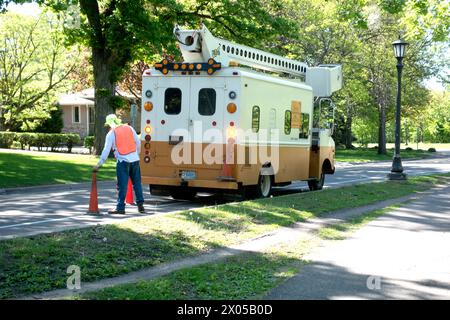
{"x":86,"y":97}
{"x":74,"y":99}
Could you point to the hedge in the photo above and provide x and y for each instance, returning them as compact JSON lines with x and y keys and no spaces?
{"x":89,"y":143}
{"x":52,"y":141}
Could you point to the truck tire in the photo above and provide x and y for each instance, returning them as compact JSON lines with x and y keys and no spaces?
{"x":264,"y":186}
{"x":317,"y":184}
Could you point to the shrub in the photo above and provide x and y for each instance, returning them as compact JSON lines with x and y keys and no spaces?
{"x":54,"y":124}
{"x":25,"y":139}
{"x":408,"y":149}
{"x":89,"y":143}
{"x":54,"y":141}
{"x":7,"y":139}
{"x":71,"y":140}
{"x":432,"y":150}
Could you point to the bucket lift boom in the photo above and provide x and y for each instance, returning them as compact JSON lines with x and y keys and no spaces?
{"x":200,"y":46}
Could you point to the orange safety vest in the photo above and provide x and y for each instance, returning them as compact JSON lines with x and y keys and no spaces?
{"x":125,"y":143}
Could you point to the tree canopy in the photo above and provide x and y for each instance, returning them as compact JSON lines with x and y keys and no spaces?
{"x":125,"y":35}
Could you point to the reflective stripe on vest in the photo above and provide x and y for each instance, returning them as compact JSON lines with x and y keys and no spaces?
{"x":125,"y":143}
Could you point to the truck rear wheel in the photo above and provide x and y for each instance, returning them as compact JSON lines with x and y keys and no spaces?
{"x":317,"y":184}
{"x":264,"y":187}
{"x":183,"y":194}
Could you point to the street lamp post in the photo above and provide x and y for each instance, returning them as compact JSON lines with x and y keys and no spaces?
{"x":397,"y":168}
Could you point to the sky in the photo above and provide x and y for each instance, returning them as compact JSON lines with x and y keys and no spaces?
{"x":33,"y":9}
{"x":26,"y":8}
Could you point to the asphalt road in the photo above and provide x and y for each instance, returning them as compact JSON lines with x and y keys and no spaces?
{"x":34,"y":210}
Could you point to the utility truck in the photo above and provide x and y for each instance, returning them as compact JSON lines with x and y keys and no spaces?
{"x":231,"y":118}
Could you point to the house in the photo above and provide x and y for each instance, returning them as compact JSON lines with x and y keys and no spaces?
{"x":78,"y":112}
{"x":79,"y":109}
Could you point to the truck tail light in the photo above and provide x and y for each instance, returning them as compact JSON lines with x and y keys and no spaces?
{"x":148,"y":106}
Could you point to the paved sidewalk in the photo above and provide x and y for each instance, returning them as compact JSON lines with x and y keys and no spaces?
{"x":404,"y":254}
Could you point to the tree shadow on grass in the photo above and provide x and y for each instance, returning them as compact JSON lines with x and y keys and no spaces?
{"x":243,"y":276}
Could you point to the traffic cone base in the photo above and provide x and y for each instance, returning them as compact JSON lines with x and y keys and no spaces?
{"x":129,"y":199}
{"x":93,"y":199}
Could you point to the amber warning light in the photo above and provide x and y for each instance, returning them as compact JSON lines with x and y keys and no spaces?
{"x":210,"y":67}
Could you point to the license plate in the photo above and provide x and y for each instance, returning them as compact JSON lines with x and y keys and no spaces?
{"x":188,"y":175}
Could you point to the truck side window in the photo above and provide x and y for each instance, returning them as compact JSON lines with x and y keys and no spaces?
{"x":255,"y":118}
{"x":172,"y":101}
{"x":304,"y":129}
{"x":207,"y":101}
{"x":287,"y":122}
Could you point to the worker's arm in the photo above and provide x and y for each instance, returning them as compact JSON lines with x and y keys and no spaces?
{"x":106,"y":149}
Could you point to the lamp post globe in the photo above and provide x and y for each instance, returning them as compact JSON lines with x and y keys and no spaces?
{"x":397,"y":168}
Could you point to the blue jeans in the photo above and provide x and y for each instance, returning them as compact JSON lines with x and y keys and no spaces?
{"x":126,"y":170}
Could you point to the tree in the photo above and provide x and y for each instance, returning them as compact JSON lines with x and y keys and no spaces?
{"x":53,"y":124}
{"x":120,"y":32}
{"x":32,"y":67}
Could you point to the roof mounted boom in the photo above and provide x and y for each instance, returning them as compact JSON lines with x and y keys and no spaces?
{"x":201,"y":45}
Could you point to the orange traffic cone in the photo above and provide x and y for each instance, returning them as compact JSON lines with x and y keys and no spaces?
{"x":93,"y":200}
{"x":227,"y":171}
{"x":129,"y":198}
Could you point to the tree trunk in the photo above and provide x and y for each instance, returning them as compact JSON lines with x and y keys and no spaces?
{"x":2,"y":122}
{"x":348,"y":132}
{"x":382,"y":130}
{"x":104,"y":92}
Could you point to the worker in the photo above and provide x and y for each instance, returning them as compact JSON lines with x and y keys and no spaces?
{"x":123,"y":139}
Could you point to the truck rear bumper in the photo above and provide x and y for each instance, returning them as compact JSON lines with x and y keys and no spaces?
{"x":197,"y":183}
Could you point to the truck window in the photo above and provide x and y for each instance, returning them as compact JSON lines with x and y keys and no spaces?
{"x":255,"y":118}
{"x":287,"y":122}
{"x":172,"y":101}
{"x":207,"y":101}
{"x":304,"y":129}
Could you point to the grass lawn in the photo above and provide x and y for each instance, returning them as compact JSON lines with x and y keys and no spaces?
{"x":28,"y":169}
{"x":364,"y":155}
{"x":39,"y":263}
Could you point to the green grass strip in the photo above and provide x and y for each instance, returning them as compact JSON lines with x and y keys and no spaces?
{"x":31,"y":169}
{"x":365,"y":155}
{"x":246,"y":276}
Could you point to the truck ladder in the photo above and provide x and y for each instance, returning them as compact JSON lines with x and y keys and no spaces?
{"x":200,"y":45}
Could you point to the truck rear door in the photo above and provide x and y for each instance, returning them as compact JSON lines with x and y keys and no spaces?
{"x":206,"y":108}
{"x":173,"y":109}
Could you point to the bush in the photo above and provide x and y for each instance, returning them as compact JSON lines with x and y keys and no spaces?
{"x":26,"y":139}
{"x":54,"y":124}
{"x":54,"y":141}
{"x":408,"y":149}
{"x":89,"y":143}
{"x":432,"y":150}
{"x":71,"y":140}
{"x":6,"y":139}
